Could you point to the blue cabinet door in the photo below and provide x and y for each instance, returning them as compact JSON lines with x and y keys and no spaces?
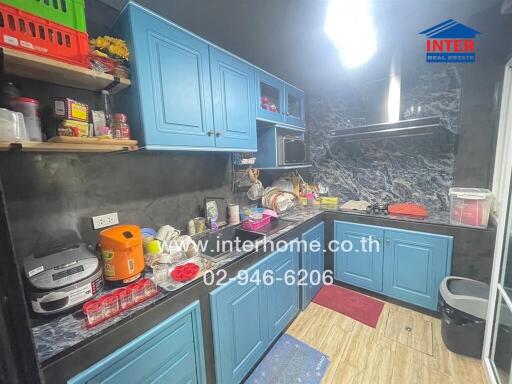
{"x":173,"y":77}
{"x":240,"y":327}
{"x":414,"y":265}
{"x":171,"y":352}
{"x":355,"y":262}
{"x":312,"y":262}
{"x":295,"y":106}
{"x":234,"y":111}
{"x":270,"y":89}
{"x":283,"y":297}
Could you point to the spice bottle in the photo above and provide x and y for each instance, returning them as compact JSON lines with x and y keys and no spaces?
{"x":120,"y":128}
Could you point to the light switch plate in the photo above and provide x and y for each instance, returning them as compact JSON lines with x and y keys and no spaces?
{"x":103,"y":221}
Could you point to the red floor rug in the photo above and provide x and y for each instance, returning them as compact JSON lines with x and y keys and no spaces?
{"x":349,"y":303}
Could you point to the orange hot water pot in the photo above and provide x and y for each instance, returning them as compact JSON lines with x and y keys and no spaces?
{"x":121,"y":250}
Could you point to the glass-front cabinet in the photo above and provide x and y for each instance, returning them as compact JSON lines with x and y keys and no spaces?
{"x":294,"y":111}
{"x":279,"y":102}
{"x":270,"y":97}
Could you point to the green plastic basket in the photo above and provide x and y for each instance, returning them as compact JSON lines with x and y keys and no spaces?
{"x":70,"y":13}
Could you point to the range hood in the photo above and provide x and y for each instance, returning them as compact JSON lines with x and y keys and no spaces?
{"x":403,"y":128}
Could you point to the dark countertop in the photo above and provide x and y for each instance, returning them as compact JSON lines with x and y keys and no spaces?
{"x":58,"y":336}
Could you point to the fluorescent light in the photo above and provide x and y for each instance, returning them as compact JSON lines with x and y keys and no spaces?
{"x":349,"y":25}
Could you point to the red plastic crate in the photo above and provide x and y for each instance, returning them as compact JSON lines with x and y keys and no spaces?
{"x":36,"y":35}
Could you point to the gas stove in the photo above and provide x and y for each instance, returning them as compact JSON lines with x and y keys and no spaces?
{"x":378,"y":209}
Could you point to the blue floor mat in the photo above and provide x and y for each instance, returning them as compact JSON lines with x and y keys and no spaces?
{"x":290,"y":361}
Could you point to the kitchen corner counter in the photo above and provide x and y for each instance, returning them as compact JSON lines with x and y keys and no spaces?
{"x":65,"y":346}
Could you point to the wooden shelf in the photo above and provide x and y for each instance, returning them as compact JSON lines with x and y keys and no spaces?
{"x":35,"y":146}
{"x":44,"y":69}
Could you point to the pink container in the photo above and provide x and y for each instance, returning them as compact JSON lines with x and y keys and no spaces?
{"x":253,"y":225}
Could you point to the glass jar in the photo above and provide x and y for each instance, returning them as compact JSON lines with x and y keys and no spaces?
{"x":120,"y":128}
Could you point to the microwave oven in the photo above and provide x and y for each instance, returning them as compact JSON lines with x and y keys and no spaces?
{"x":291,"y":150}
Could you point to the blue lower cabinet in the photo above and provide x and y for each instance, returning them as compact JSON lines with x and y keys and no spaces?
{"x":283,"y":297}
{"x":248,"y":314}
{"x":414,"y":265}
{"x":240,"y":327}
{"x":405,"y":265}
{"x":312,"y":262}
{"x":357,"y":264}
{"x":171,"y":352}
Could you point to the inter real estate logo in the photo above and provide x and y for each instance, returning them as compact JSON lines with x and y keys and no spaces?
{"x":450,"y":42}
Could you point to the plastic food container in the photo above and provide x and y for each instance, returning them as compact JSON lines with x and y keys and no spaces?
{"x":138,"y":293}
{"x":470,"y":207}
{"x":12,"y":126}
{"x":124,"y":297}
{"x":110,"y":305}
{"x":30,"y":110}
{"x":149,"y":287}
{"x":94,"y":311}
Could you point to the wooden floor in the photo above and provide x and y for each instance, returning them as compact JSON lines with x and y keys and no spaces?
{"x":404,"y":348}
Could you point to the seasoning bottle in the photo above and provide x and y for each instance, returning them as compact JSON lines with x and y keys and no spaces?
{"x":106,"y":106}
{"x":120,"y":128}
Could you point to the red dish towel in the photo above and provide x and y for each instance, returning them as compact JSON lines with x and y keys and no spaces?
{"x":350,"y":303}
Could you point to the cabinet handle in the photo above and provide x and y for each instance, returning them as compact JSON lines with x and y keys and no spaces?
{"x":387,"y":241}
{"x":218,"y":134}
{"x":210,"y":133}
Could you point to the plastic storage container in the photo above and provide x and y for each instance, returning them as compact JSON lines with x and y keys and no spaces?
{"x":470,"y":206}
{"x":70,"y":13}
{"x":12,"y":126}
{"x":30,"y":110}
{"x":29,"y":33}
{"x":463,"y":305}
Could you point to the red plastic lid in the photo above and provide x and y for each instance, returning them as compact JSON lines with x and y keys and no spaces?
{"x":26,"y":100}
{"x":122,"y":292}
{"x":185,"y":272}
{"x":120,"y":116}
{"x":92,"y":305}
{"x":109,"y":299}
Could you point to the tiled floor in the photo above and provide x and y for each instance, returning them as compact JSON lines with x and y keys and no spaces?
{"x":404,"y":348}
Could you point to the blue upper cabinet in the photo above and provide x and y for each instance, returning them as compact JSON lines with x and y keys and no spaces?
{"x":359,"y":264}
{"x":269,"y":97}
{"x":295,"y":105}
{"x":234,"y":109}
{"x":414,"y":265}
{"x":312,"y":262}
{"x":172,"y":74}
{"x":171,"y":352}
{"x":185,"y":94}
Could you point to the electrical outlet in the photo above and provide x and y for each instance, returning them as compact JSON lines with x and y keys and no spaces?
{"x":103,"y":221}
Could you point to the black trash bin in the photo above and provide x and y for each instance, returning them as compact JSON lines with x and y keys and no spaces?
{"x":463,"y":306}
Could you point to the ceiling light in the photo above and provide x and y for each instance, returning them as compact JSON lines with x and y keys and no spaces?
{"x":349,"y":25}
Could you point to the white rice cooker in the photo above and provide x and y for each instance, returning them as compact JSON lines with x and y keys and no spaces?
{"x":62,"y":279}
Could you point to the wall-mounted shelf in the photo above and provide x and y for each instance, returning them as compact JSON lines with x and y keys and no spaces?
{"x":35,"y":146}
{"x":44,"y":69}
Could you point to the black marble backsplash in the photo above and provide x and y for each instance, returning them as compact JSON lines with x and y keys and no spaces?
{"x":412,"y":169}
{"x":52,"y":197}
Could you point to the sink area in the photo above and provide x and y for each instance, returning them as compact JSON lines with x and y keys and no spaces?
{"x":211,"y":244}
{"x":216,"y":245}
